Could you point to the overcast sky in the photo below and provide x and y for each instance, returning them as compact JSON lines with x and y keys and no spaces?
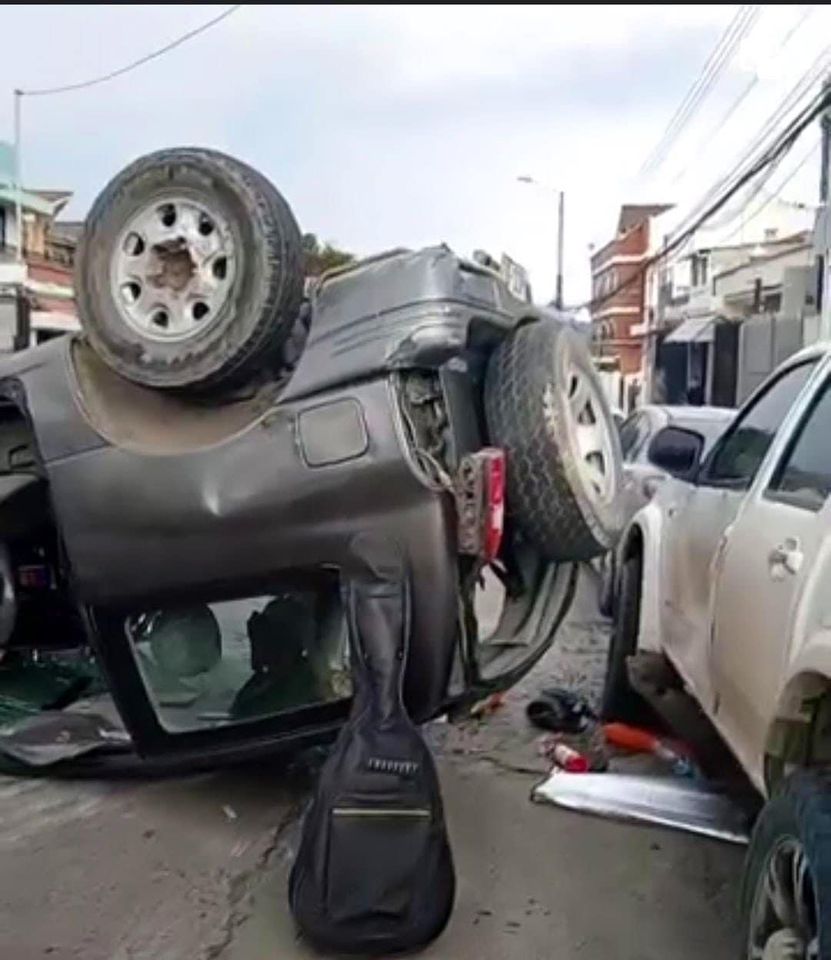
{"x":388,"y":126}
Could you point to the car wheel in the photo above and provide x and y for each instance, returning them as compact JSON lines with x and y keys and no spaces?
{"x":606,"y":585}
{"x":620,"y":701}
{"x":545,"y":407}
{"x":786,"y":891}
{"x":189,"y":271}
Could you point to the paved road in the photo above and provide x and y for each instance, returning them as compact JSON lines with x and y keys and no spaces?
{"x":195,"y":868}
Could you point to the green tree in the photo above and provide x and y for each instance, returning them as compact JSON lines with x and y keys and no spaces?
{"x":319,"y":257}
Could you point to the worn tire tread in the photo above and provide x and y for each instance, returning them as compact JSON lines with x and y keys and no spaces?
{"x":801,"y":806}
{"x":278,"y":291}
{"x":540,"y":488}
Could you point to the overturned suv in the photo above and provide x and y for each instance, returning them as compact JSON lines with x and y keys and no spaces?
{"x":181,"y":482}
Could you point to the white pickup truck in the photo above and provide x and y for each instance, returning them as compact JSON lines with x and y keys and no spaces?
{"x":727,"y":573}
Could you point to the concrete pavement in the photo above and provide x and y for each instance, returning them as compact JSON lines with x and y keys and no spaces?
{"x":536,"y":883}
{"x":195,"y":868}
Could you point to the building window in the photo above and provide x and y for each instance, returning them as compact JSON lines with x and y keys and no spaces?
{"x":700,"y":267}
{"x":771,"y":302}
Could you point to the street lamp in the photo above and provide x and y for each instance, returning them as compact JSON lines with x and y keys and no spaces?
{"x":558,"y":295}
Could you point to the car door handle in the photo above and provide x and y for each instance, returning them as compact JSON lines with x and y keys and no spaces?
{"x":787,"y":556}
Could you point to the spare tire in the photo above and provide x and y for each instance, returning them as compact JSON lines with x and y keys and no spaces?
{"x":189,"y":272}
{"x":545,"y":407}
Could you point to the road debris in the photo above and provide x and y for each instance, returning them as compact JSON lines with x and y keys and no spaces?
{"x":637,"y":740}
{"x":569,"y":759}
{"x":666,"y":801}
{"x":55,"y":736}
{"x":590,"y":747}
{"x":560,"y":710}
{"x":487,"y":706}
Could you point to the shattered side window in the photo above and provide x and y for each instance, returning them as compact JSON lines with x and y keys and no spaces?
{"x":211,"y":664}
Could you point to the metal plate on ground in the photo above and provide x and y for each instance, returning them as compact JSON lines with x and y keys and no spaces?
{"x":666,"y":801}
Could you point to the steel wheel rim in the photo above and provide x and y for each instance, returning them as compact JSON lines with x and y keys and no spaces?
{"x":172,"y":269}
{"x":595,"y":458}
{"x":783,"y":918}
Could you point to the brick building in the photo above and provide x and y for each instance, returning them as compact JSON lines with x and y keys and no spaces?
{"x":618,"y":301}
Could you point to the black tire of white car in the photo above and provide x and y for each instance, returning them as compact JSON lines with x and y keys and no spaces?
{"x":606,"y":584}
{"x":790,"y":855}
{"x":564,"y":497}
{"x":620,"y":701}
{"x":189,"y":271}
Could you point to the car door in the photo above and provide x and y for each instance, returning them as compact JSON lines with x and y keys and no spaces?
{"x":765,"y":561}
{"x":697,"y":518}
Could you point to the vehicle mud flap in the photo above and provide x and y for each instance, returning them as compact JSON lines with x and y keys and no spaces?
{"x":374,"y":873}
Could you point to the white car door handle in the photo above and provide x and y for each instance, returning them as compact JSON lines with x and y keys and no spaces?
{"x":787,"y":556}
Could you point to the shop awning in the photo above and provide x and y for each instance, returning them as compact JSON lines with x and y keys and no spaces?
{"x":694,"y":330}
{"x":28,"y":201}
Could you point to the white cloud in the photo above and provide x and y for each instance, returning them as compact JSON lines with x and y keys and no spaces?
{"x":383,"y":125}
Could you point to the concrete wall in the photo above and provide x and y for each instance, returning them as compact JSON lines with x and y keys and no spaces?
{"x":11,"y":226}
{"x":791,"y":273}
{"x":8,"y":323}
{"x":764,"y":342}
{"x":11,"y":272}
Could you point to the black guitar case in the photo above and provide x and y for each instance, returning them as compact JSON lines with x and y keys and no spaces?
{"x":374,"y":873}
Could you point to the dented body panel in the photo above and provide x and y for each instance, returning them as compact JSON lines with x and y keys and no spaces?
{"x":327,"y":456}
{"x":398,"y":311}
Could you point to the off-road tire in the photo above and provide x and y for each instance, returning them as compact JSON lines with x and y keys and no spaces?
{"x":528,"y":415}
{"x":267,"y":288}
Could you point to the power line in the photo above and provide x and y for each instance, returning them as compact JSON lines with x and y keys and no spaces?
{"x":767,"y":134}
{"x":66,"y":88}
{"x":48,"y":91}
{"x":722,"y":122}
{"x":776,"y":193}
{"x":790,"y":100}
{"x":720,"y":56}
{"x":649,"y":162}
{"x":781,"y":145}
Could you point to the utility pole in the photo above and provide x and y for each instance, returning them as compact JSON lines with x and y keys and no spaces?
{"x":18,"y":174}
{"x":824,"y":259}
{"x":561,"y":202}
{"x":558,"y":296}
